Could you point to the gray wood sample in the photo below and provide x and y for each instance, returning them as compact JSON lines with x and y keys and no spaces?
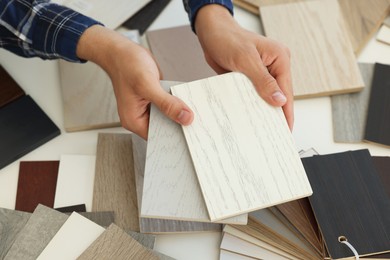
{"x":102,"y":218}
{"x":156,"y":226}
{"x":349,"y":111}
{"x":242,"y":149}
{"x":146,"y":240}
{"x":36,"y":234}
{"x":114,"y":184}
{"x":11,"y":222}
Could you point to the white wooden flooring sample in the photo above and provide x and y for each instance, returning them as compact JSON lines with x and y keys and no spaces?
{"x":171,"y":189}
{"x":323,"y":61}
{"x":384,"y":34}
{"x":75,"y":181}
{"x":74,"y":237}
{"x":241,"y":147}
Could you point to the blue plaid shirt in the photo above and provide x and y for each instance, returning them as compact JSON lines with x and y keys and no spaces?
{"x":38,"y":28}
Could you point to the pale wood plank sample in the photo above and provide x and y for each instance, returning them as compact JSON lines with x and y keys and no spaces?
{"x":179,"y":54}
{"x":384,"y":34}
{"x":323,"y":51}
{"x":242,"y":149}
{"x":387,"y":21}
{"x":114,"y":243}
{"x":171,"y":189}
{"x":36,"y":234}
{"x":226,"y":255}
{"x":11,"y":223}
{"x":114,"y":188}
{"x":111,"y":13}
{"x":75,"y":181}
{"x":157,"y":226}
{"x":88,"y":97}
{"x":73,"y":238}
{"x":363,"y":19}
{"x":349,"y":111}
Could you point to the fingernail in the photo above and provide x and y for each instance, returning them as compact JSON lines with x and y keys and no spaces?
{"x":184,"y":117}
{"x":279,"y":97}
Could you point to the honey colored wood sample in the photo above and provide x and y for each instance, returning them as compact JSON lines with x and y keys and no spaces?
{"x":36,"y":184}
{"x":323,"y":51}
{"x":384,"y":34}
{"x":9,"y":89}
{"x":179,"y":54}
{"x":157,"y":226}
{"x":114,"y":179}
{"x":246,"y":159}
{"x":349,"y":111}
{"x":378,"y":124}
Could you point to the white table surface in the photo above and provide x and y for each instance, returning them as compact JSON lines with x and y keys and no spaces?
{"x":40,"y":79}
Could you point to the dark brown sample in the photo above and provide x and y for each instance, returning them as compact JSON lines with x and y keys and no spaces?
{"x":9,"y":89}
{"x":73,"y":208}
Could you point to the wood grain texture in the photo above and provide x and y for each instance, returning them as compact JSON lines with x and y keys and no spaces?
{"x":70,"y":209}
{"x":384,"y":34}
{"x":157,"y":226}
{"x":378,"y":124}
{"x":349,"y":111}
{"x":323,"y":51}
{"x":75,"y":180}
{"x":363,"y":19}
{"x":179,"y":54}
{"x":241,"y":147}
{"x":171,"y":189}
{"x":24,"y":127}
{"x":11,"y":223}
{"x":114,"y":184}
{"x":36,"y":234}
{"x":146,"y":240}
{"x":88,"y":97}
{"x":111,"y":13}
{"x":36,"y":184}
{"x":358,"y":206}
{"x":72,"y":239}
{"x":9,"y":89}
{"x":114,"y":243}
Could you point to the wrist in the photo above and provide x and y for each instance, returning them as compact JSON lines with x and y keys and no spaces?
{"x":210,"y":15}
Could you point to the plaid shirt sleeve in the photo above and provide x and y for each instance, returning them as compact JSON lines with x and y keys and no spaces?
{"x":193,"y":6}
{"x":38,"y":28}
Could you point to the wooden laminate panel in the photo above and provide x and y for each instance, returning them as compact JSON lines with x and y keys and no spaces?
{"x":114,"y":184}
{"x":24,"y":127}
{"x":358,"y":206}
{"x":382,"y":164}
{"x":349,"y":111}
{"x":242,"y":149}
{"x":384,"y":34}
{"x":9,"y":89}
{"x":157,"y":226}
{"x":70,"y":209}
{"x":102,"y":218}
{"x":36,"y":184}
{"x":378,"y":123}
{"x":387,"y":21}
{"x":226,"y":255}
{"x":323,"y":51}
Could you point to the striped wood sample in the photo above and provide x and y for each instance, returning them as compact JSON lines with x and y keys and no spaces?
{"x":384,"y":34}
{"x":378,"y":124}
{"x":88,"y":97}
{"x":358,"y":206}
{"x":111,"y":13}
{"x":156,"y":226}
{"x":9,"y":89}
{"x":114,"y":180}
{"x":36,"y":234}
{"x":75,"y":181}
{"x":323,"y":51}
{"x":114,"y":243}
{"x":36,"y":184}
{"x":72,"y":239}
{"x":349,"y":111}
{"x":171,"y":189}
{"x":242,"y":149}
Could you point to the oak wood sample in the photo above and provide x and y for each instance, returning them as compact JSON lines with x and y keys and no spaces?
{"x":323,"y":52}
{"x":114,"y":243}
{"x":378,"y":123}
{"x":9,"y":89}
{"x":24,"y":127}
{"x":157,"y":226}
{"x":179,"y":54}
{"x":72,"y":239}
{"x":88,"y":97}
{"x":358,"y":206}
{"x":384,"y":34}
{"x":36,"y":234}
{"x":36,"y":184}
{"x":114,"y":188}
{"x":242,"y":149}
{"x":349,"y":111}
